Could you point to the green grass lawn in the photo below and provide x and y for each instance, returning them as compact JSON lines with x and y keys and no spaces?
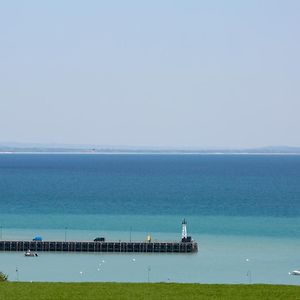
{"x":74,"y":291}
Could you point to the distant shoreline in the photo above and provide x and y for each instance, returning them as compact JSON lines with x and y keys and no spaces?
{"x":136,"y":150}
{"x":146,"y":153}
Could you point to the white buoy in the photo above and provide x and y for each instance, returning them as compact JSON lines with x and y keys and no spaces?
{"x":133,"y":259}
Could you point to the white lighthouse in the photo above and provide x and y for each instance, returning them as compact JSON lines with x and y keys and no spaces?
{"x":184,"y":231}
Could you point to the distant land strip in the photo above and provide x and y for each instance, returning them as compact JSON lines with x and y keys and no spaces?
{"x":128,"y":150}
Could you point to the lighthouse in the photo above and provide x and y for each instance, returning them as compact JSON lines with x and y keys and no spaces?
{"x":183,"y":231}
{"x":184,"y":237}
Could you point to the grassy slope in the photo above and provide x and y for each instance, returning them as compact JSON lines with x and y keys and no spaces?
{"x":74,"y":291}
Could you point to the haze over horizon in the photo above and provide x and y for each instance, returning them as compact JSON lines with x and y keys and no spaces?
{"x":172,"y":74}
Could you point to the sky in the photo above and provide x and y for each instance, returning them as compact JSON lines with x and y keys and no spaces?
{"x":183,"y":74}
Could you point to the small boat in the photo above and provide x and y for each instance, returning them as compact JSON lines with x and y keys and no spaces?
{"x":295,"y":272}
{"x":29,"y":253}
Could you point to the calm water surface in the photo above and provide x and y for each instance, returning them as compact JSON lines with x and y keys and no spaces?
{"x":243,"y":211}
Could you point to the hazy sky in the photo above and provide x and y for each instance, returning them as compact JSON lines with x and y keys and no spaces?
{"x":150,"y":73}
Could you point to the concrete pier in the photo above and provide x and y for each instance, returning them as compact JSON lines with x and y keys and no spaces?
{"x":114,"y":247}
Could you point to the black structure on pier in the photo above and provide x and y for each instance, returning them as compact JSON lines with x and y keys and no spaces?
{"x":114,"y":247}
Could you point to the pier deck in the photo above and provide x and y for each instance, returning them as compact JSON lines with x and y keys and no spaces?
{"x":113,"y":247}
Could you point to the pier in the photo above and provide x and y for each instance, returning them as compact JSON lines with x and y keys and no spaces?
{"x":113,"y":247}
{"x":186,"y":245}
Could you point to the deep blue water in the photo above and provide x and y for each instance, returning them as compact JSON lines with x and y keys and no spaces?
{"x":199,"y":185}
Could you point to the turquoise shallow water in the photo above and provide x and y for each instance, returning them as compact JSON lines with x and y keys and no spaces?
{"x":242,"y":210}
{"x":232,"y":251}
{"x":221,"y":259}
{"x":213,"y":225}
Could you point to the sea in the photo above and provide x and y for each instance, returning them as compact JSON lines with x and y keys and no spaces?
{"x":243,"y":210}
